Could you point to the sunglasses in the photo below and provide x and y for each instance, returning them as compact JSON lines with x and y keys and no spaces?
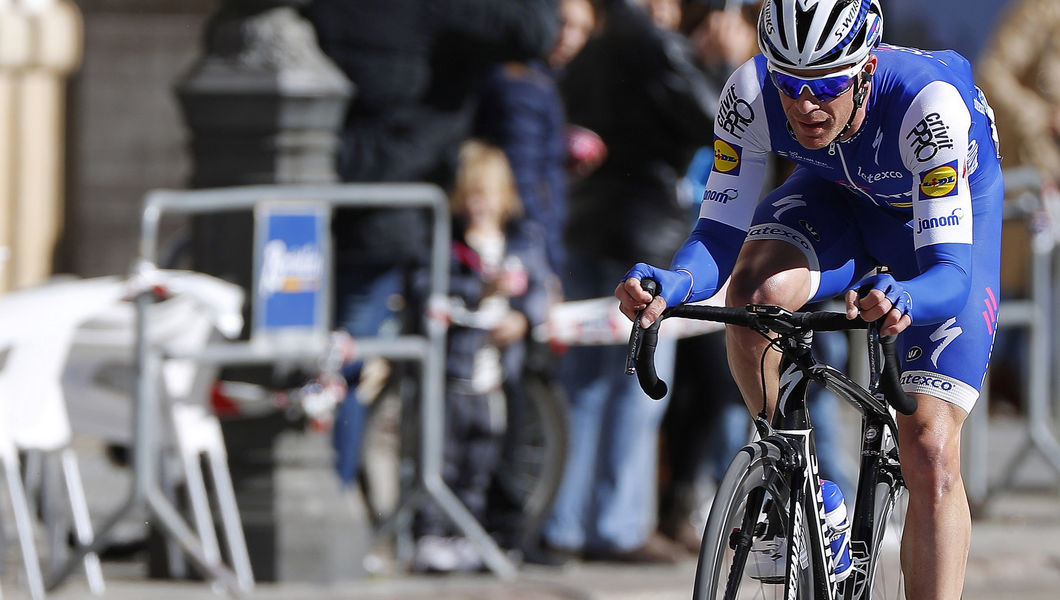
{"x":823,"y":87}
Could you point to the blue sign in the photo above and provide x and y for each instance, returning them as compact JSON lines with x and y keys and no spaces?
{"x":291,"y":264}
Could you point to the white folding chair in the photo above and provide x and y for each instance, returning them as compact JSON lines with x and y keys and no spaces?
{"x":38,"y":325}
{"x":198,"y":308}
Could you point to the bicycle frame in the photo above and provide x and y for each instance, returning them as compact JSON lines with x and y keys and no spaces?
{"x":787,"y":443}
{"x":879,"y":466}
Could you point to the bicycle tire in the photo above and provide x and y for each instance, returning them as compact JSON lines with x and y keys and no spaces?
{"x":886,"y":580}
{"x":890,"y":500}
{"x":536,"y":450}
{"x":718,"y":572}
{"x":389,"y":446}
{"x":532,"y":463}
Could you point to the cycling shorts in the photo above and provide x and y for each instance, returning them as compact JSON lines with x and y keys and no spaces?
{"x":844,"y":238}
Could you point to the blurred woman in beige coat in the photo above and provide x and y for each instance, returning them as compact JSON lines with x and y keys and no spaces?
{"x":1020,"y":73}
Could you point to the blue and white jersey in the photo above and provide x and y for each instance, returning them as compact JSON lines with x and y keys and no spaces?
{"x":925,"y":144}
{"x":917,"y":188}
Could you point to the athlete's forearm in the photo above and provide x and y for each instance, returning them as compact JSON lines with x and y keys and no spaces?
{"x":941,"y":290}
{"x":708,"y":255}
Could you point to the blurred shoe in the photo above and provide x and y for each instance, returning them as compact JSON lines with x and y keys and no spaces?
{"x":540,"y":552}
{"x":766,"y":562}
{"x":468,"y":557}
{"x":687,"y":537}
{"x":656,"y":550}
{"x":682,"y":516}
{"x":435,"y":554}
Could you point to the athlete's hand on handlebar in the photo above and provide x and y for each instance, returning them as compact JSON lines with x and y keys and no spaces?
{"x":675,"y":287}
{"x":879,"y":295}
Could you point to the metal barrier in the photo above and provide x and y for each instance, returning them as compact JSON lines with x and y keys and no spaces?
{"x":1035,"y":314}
{"x":428,"y":350}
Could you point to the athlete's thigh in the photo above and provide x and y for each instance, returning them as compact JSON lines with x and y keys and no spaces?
{"x":812,"y":215}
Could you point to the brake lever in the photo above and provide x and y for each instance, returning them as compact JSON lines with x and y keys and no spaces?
{"x":637,"y":333}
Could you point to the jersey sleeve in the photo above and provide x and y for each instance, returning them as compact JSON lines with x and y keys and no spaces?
{"x":934,"y":148}
{"x":734,"y":185}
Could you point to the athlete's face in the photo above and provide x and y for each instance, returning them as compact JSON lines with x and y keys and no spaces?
{"x":817,"y":122}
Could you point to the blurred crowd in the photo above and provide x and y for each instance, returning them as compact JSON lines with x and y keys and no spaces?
{"x":573,"y":137}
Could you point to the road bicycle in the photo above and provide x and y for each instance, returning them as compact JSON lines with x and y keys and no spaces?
{"x":531,"y":461}
{"x":771,"y":492}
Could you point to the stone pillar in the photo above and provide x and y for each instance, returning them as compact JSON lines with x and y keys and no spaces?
{"x":262,"y":106}
{"x":40,"y":45}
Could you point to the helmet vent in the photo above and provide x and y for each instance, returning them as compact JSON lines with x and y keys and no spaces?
{"x":782,"y":28}
{"x":802,"y":24}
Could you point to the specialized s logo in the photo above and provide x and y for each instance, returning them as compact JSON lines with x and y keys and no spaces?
{"x":876,"y":145}
{"x":929,"y":136}
{"x":726,"y":157}
{"x":734,"y":114}
{"x":939,"y":182}
{"x":944,"y":335}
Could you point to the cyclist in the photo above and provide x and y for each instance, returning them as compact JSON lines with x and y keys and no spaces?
{"x":897,"y":164}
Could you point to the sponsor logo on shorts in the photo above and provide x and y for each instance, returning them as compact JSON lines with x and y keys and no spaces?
{"x":726,"y":157}
{"x":944,"y":387}
{"x":775,"y":232}
{"x":939,"y":182}
{"x":944,"y":335}
{"x":944,"y":384}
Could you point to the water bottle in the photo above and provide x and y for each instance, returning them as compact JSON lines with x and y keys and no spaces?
{"x":836,"y":516}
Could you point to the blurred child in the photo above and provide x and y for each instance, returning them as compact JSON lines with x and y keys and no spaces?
{"x":496,"y":293}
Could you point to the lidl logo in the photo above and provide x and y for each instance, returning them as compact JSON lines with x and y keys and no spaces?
{"x":726,"y":157}
{"x":939,"y":182}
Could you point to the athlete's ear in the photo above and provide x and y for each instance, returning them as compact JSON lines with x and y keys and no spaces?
{"x":870,"y":65}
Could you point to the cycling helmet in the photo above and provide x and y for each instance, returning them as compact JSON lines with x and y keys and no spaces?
{"x":818,"y":34}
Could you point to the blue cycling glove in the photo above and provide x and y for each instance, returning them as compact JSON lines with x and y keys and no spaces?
{"x":674,"y":286}
{"x":893,"y":290}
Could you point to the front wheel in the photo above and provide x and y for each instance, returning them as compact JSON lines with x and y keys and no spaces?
{"x":887,"y":581}
{"x":749,"y":509}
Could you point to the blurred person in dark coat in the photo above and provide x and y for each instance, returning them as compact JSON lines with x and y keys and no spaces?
{"x":636,"y":85}
{"x":414,"y":64}
{"x":520,"y":109}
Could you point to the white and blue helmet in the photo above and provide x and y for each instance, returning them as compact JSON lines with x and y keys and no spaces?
{"x":818,"y":34}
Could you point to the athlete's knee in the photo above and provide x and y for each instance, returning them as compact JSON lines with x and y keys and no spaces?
{"x":787,"y":288}
{"x":931,"y":455}
{"x":769,"y":272}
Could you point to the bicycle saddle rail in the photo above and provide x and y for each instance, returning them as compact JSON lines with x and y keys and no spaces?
{"x":761,"y":318}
